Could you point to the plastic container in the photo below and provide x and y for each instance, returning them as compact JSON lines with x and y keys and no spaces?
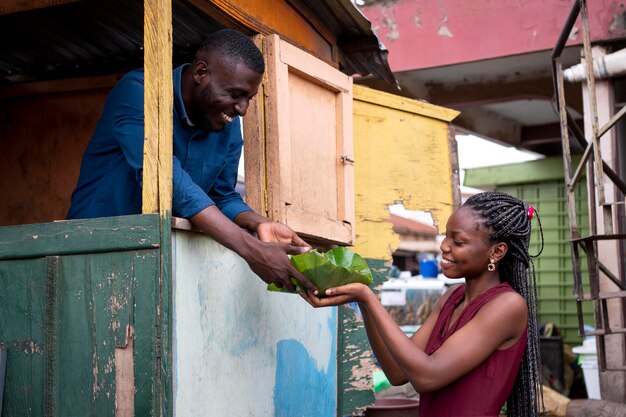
{"x":589,"y":364}
{"x":393,"y":407}
{"x":428,"y":268}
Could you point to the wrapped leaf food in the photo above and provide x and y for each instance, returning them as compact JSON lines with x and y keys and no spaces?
{"x":336,"y":267}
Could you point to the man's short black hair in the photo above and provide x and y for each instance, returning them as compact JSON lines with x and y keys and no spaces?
{"x":233,"y":47}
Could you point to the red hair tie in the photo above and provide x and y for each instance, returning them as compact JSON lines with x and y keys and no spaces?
{"x":531,"y":212}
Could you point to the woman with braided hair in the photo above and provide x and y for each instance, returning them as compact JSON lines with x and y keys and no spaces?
{"x":479,"y":347}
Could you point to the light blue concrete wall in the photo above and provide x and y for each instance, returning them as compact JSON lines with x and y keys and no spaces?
{"x":240,"y":350}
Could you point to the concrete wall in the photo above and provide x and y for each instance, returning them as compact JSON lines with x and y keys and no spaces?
{"x":240,"y":350}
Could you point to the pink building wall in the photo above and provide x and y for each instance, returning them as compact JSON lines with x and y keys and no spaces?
{"x":431,"y":33}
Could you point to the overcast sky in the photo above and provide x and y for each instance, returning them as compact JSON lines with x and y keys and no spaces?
{"x":475,"y":152}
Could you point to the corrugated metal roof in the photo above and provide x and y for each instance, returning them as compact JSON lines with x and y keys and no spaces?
{"x":87,"y":37}
{"x":92,"y":37}
{"x":361,"y":52}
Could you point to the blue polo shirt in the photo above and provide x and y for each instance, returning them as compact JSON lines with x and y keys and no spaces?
{"x":204,"y":166}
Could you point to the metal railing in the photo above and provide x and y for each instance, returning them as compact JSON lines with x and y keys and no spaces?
{"x":597,"y":171}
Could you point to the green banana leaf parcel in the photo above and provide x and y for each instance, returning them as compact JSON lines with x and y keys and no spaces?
{"x":338,"y":266}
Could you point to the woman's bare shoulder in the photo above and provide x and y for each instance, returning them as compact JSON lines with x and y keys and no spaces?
{"x":508,"y":305}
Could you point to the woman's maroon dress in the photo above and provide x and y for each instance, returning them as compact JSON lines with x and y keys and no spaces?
{"x":484,"y":390}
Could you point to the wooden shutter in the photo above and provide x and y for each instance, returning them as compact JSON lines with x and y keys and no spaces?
{"x":309,"y":159}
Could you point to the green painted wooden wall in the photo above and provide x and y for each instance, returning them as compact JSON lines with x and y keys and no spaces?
{"x":75,"y":297}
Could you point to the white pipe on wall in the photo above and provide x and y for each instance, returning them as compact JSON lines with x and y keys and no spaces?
{"x":603,"y":67}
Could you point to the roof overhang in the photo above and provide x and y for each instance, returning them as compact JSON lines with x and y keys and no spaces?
{"x":69,"y":39}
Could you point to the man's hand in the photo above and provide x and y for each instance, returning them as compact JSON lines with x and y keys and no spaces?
{"x":278,"y":232}
{"x":269,"y":261}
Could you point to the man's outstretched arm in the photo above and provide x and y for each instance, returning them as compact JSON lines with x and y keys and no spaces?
{"x":266,"y":259}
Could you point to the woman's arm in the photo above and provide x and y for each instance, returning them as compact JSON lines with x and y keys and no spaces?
{"x":358,"y":292}
{"x":394,"y":373}
{"x":498,"y":324}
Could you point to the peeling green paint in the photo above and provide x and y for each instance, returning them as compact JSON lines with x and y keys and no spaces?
{"x":354,"y":356}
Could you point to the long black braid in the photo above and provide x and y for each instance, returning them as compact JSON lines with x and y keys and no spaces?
{"x":508,"y":220}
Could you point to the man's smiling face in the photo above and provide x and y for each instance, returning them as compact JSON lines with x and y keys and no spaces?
{"x":223,"y":93}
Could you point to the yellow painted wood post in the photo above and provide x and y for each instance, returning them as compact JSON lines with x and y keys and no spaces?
{"x":402,"y":154}
{"x":157,"y":178}
{"x":158,"y":98}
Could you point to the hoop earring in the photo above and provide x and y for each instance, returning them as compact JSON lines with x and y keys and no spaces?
{"x":491,"y":266}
